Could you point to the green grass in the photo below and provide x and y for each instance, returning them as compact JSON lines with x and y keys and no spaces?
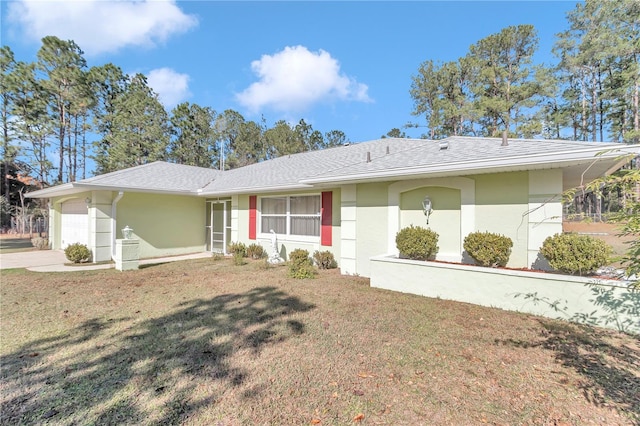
{"x":206,"y":342}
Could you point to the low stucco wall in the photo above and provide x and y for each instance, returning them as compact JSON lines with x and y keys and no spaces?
{"x":551,"y":295}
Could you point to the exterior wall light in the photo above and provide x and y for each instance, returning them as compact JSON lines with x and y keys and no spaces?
{"x":88,"y":201}
{"x":427,"y":207}
{"x":127,"y":233}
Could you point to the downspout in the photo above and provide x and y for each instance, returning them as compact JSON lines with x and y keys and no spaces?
{"x":113,"y":223}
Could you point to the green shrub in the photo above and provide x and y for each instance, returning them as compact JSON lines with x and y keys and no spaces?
{"x":300,"y":265}
{"x":40,"y":243}
{"x":238,"y":258}
{"x":256,"y":251}
{"x":575,"y":254}
{"x":237,"y":248}
{"x":325,"y":259}
{"x":488,"y":249}
{"x":77,"y":253}
{"x":417,"y":243}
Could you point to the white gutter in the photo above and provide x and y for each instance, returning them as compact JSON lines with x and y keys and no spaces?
{"x":545,"y":160}
{"x":113,"y":223}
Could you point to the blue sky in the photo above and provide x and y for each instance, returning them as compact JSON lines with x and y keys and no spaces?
{"x":339,"y":65}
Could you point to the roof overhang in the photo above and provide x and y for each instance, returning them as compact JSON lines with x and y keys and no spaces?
{"x":78,"y":187}
{"x":580,"y":166}
{"x":254,"y":190}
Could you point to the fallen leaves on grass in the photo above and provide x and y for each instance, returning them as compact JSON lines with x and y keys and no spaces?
{"x":358,"y":418}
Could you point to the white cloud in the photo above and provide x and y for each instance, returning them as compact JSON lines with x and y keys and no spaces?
{"x":172,"y":87}
{"x":295,"y":78}
{"x":100,"y":26}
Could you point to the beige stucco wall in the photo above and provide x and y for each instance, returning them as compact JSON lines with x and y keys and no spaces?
{"x":444,"y":220}
{"x":520,"y":205}
{"x":240,"y":226}
{"x":371,"y":223}
{"x":165,"y":224}
{"x":502,"y":203}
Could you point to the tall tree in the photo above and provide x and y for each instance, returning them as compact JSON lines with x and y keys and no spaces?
{"x":281,"y":139}
{"x":7,"y":96}
{"x":33,"y":125}
{"x":504,"y":81}
{"x":335,"y":138}
{"x":107,"y":83}
{"x":249,"y":145}
{"x":599,"y":62}
{"x":140,"y":127}
{"x":193,"y":141}
{"x":62,"y":63}
{"x":227,"y":126}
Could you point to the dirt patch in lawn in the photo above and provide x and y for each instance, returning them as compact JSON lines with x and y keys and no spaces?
{"x":608,"y":232}
{"x":206,"y":342}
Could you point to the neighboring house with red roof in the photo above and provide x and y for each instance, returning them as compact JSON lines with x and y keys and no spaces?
{"x":350,"y":200}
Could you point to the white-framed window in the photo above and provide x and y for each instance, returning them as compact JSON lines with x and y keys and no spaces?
{"x":294,"y":215}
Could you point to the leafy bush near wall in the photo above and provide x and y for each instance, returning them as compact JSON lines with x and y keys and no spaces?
{"x":256,"y":251}
{"x":417,"y":243}
{"x":488,"y":249}
{"x":300,"y":265}
{"x":325,"y":259}
{"x":575,"y":254}
{"x":77,"y":253}
{"x":237,"y":248}
{"x":40,"y":243}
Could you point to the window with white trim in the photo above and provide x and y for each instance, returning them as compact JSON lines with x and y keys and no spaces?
{"x":291,"y":215}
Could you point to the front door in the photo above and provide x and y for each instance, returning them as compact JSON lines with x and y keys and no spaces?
{"x":218,"y":226}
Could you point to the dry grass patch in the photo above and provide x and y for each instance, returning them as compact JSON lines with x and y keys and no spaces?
{"x":207,"y":342}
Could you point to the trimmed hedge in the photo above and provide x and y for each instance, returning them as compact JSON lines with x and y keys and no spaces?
{"x":488,"y":249}
{"x":575,"y":254}
{"x":300,"y":265}
{"x":256,"y":251}
{"x":77,"y":253}
{"x":325,"y":259}
{"x":417,"y":243}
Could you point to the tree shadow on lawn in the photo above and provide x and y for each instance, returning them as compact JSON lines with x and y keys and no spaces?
{"x":611,"y":371}
{"x":121,"y":370}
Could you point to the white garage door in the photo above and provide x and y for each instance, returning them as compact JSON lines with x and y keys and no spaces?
{"x":74,"y":223}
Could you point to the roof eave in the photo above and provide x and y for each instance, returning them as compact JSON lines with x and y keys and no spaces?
{"x":78,"y":187}
{"x":256,"y":189}
{"x":533,"y":162}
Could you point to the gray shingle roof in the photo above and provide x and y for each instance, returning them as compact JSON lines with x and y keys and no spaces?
{"x":387,"y":155}
{"x":378,"y":159}
{"x":158,"y":176}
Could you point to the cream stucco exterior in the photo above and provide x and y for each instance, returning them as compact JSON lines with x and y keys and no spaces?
{"x":377,"y":188}
{"x":365,"y":217}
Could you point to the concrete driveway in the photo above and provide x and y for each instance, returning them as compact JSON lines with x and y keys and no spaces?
{"x":28,"y":259}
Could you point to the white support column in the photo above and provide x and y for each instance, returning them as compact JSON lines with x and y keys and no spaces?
{"x":348,"y":248}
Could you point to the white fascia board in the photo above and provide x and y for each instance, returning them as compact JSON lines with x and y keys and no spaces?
{"x":78,"y":187}
{"x":54,"y":191}
{"x":254,"y":190}
{"x":520,"y":162}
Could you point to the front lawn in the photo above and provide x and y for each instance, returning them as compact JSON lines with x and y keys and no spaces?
{"x":204,"y":342}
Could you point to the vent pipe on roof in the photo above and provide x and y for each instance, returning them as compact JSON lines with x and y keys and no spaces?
{"x":388,"y":150}
{"x":368,"y":156}
{"x":505,"y":139}
{"x":443,"y":145}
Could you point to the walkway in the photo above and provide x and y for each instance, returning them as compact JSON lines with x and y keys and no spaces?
{"x":54,"y":261}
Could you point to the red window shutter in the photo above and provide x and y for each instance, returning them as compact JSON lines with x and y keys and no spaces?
{"x":253,"y":202}
{"x":326,"y":219}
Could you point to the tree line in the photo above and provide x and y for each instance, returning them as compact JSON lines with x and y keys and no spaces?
{"x":58,"y":105}
{"x":592,"y":94}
